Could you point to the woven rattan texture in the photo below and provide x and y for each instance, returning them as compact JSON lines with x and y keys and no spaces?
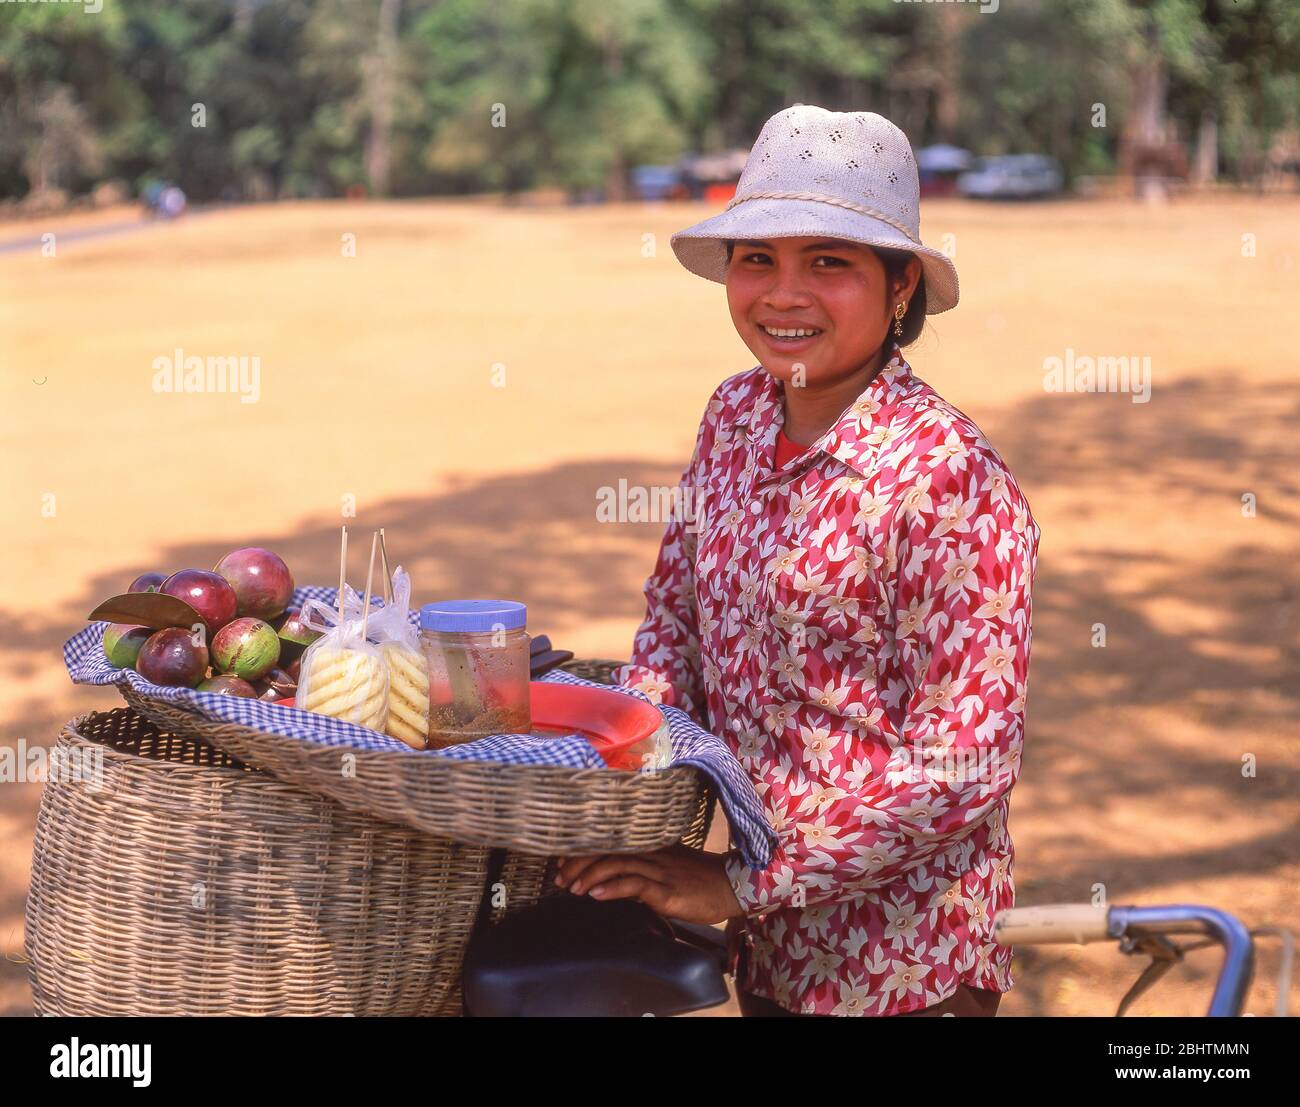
{"x":188,"y":882}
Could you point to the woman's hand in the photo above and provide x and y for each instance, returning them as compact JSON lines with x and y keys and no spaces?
{"x":677,"y":882}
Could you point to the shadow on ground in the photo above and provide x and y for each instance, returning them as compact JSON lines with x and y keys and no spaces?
{"x":1091,"y":745}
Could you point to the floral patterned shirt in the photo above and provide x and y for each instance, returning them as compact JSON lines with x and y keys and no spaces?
{"x":856,"y":624}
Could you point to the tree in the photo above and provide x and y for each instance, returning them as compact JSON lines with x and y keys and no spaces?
{"x":380,"y":79}
{"x":62,"y":143}
{"x":316,"y":97}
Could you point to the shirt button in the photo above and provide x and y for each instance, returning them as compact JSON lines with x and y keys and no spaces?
{"x":755,"y":507}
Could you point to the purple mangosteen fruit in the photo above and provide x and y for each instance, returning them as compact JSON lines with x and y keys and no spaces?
{"x":224,"y":684}
{"x":169,"y":656}
{"x":262,"y":582}
{"x":208,"y":593}
{"x":147,"y":582}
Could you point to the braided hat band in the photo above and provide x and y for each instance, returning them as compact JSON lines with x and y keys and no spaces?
{"x":813,"y":172}
{"x":838,"y":201}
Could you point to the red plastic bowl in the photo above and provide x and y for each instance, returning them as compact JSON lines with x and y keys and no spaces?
{"x":621,"y":727}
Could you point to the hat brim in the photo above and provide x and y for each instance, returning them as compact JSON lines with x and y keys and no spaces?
{"x":701,"y":248}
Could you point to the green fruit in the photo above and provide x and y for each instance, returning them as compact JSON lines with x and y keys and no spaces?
{"x":122,"y":644}
{"x":247,"y":648}
{"x":294,"y":637}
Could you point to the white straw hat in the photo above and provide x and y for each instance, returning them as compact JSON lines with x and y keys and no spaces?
{"x":844,"y":175}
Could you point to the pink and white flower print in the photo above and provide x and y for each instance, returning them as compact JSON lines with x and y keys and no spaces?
{"x":856,"y":624}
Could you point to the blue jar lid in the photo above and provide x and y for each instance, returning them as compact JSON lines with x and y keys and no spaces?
{"x":472,"y":615}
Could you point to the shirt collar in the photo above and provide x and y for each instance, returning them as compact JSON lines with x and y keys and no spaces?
{"x":850,"y":439}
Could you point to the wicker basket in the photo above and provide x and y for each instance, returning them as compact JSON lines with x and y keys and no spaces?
{"x":536,"y":808}
{"x":191,"y":883}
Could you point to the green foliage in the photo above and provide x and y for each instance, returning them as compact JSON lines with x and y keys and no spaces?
{"x":299,"y":97}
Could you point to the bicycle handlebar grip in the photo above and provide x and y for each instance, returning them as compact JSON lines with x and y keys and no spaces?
{"x":1075,"y":923}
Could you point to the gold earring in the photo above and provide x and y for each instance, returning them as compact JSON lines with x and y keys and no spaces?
{"x":899,"y":312}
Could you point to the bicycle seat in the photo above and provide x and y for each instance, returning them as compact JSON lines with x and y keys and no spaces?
{"x":572,"y":956}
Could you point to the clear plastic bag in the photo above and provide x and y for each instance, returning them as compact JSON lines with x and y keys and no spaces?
{"x":342,"y":675}
{"x":408,"y":667}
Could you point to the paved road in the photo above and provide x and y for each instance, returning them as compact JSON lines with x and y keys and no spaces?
{"x":125,"y":226}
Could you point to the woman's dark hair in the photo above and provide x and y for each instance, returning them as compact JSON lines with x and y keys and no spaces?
{"x":895,"y":262}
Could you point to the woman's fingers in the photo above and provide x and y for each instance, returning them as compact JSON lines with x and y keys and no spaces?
{"x":579,"y":875}
{"x":676,"y":883}
{"x":604,"y":869}
{"x":573,"y":867}
{"x":649,"y":892}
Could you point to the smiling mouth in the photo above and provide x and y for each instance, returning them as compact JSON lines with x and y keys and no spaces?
{"x":790,"y":335}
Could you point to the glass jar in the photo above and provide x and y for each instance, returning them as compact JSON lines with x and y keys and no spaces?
{"x":478,"y":669}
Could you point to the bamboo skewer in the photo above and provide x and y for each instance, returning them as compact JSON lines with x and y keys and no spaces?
{"x":388,"y":577}
{"x":370,"y":580}
{"x":343,"y":561}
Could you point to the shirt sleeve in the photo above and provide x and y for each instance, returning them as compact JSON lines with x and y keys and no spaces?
{"x":665,"y":661}
{"x":963,"y":562}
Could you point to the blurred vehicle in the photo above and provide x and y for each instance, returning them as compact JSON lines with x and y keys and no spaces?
{"x":163,"y":200}
{"x":1012,"y":177}
{"x":939,"y":166}
{"x":708,"y":177}
{"x":172,"y":202}
{"x":656,"y":182}
{"x":713,"y":177}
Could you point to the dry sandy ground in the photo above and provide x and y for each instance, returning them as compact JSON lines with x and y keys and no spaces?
{"x":380,"y":380}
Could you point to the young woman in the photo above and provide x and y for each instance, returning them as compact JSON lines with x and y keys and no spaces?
{"x":850,"y":608}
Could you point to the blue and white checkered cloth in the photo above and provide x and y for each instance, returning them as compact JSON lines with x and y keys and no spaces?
{"x":83,"y":654}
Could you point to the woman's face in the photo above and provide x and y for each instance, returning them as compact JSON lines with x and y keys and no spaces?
{"x":830,"y":286}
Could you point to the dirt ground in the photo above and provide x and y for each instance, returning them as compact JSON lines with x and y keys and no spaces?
{"x":475,"y":373}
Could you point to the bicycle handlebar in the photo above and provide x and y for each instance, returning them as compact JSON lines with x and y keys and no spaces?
{"x":1077,"y":923}
{"x":1084,"y":922}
